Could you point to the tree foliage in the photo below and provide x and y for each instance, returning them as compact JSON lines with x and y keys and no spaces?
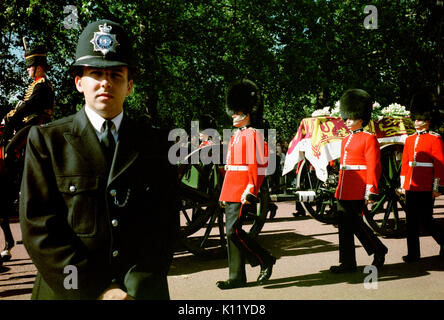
{"x":303,"y":54}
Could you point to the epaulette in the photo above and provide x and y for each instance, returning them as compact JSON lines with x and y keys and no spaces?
{"x":434,"y":134}
{"x":31,"y":88}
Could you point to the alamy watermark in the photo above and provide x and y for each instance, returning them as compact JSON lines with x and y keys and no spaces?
{"x":71,"y":20}
{"x":71,"y":280}
{"x":371,"y":21}
{"x":371,"y":281}
{"x":187,"y":148}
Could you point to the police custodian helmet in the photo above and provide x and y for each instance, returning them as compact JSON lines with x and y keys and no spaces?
{"x":36,"y":56}
{"x":356,"y":104}
{"x":103,"y":44}
{"x":244,"y":96}
{"x":422,"y":106}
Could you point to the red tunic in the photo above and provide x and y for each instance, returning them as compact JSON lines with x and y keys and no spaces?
{"x":247,"y":159}
{"x":423,"y":162}
{"x":360,"y":166}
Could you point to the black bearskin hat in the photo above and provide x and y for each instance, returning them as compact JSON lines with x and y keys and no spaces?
{"x":244,"y":95}
{"x":422,"y":106}
{"x":356,"y":104}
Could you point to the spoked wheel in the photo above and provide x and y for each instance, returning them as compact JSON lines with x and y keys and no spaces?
{"x":200,"y":187}
{"x":200,"y":211}
{"x":323,"y":208}
{"x":385,"y":216}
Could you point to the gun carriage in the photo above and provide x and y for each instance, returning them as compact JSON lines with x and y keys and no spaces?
{"x":200,"y":185}
{"x":314,"y":154}
{"x":313,"y":157}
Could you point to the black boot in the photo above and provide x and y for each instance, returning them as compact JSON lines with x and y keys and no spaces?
{"x":230,"y":284}
{"x":266,"y":271}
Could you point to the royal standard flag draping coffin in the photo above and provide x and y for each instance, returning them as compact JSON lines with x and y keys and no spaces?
{"x":319,"y":140}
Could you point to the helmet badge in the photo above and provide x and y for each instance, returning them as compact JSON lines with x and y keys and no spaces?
{"x":104,"y":41}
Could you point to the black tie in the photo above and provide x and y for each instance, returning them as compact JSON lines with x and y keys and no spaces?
{"x":107,"y":139}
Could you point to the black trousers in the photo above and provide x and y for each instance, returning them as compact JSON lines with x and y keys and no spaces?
{"x":241,"y":246}
{"x":351,"y":223}
{"x":419,"y":210}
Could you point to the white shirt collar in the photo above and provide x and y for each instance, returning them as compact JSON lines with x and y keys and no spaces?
{"x":97,"y":121}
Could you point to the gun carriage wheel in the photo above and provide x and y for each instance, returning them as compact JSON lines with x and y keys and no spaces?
{"x":323,"y":206}
{"x":385,"y":216}
{"x":200,"y":212}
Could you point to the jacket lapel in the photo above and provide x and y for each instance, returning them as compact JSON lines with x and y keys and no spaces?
{"x":84,"y":139}
{"x":126,"y":150}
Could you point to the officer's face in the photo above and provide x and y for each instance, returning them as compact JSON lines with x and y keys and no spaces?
{"x":105,"y":89}
{"x":421,"y":125}
{"x":354,"y":124}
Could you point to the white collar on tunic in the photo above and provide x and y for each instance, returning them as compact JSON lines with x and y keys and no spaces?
{"x":97,"y":121}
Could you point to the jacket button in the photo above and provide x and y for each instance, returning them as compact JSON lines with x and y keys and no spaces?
{"x":113,"y":192}
{"x":115,"y":223}
{"x":115,"y":253}
{"x":72,"y":188}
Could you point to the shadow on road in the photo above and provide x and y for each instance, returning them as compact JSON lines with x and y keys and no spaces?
{"x":390,"y":272}
{"x":15,"y":292}
{"x":281,"y":243}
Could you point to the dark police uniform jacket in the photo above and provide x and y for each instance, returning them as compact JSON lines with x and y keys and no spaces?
{"x":84,"y":229}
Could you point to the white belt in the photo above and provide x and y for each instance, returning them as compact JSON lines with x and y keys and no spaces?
{"x":420,"y":164}
{"x":235,"y":168}
{"x":353,"y":167}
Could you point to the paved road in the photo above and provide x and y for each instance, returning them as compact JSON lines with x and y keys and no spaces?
{"x":306,"y":249}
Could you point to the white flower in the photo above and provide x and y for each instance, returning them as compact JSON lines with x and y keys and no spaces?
{"x":376,"y":105}
{"x":335,"y":111}
{"x":337,"y":104}
{"x":395,"y":109}
{"x":321,"y":112}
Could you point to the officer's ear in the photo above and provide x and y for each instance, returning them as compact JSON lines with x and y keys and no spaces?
{"x":130,"y":87}
{"x":78,"y":82}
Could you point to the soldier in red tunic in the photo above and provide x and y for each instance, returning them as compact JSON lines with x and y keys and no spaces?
{"x":245,"y":170}
{"x":359,"y":173}
{"x":422,"y":176}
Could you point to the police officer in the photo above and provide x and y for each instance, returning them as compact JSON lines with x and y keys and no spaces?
{"x":245,"y":171}
{"x":360,"y":169}
{"x":36,"y":108}
{"x":98,"y":193}
{"x":422,"y":175}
